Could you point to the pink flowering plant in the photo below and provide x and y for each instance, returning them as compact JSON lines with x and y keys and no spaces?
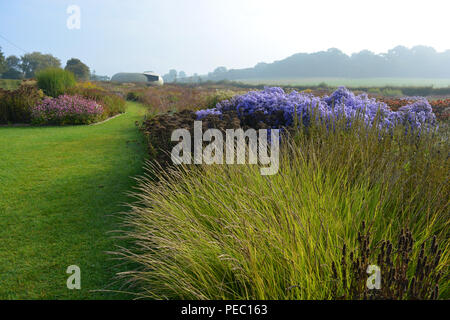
{"x":66,"y":110}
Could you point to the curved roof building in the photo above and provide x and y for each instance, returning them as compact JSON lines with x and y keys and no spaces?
{"x":148,"y":77}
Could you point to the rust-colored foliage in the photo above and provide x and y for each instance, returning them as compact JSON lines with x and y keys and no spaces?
{"x":158,"y":130}
{"x":441,"y":107}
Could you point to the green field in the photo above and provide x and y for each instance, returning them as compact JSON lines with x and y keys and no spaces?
{"x":352,"y":82}
{"x":59,"y":186}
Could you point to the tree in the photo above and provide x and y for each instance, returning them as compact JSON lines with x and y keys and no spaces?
{"x":218,"y":74}
{"x":220,"y":70}
{"x":416,"y":62}
{"x":196,"y":77}
{"x":3,"y":66}
{"x":171,"y":76}
{"x":13,"y":62}
{"x":12,"y":68}
{"x":36,"y":61}
{"x":78,"y":68}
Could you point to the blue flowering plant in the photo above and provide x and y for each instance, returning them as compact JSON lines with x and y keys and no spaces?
{"x":278,"y":109}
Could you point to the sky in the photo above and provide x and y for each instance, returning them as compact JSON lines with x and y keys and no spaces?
{"x":197,"y":36}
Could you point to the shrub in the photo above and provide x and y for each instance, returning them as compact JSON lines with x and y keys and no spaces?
{"x":66,"y":110}
{"x":386,"y":92}
{"x":220,"y":95}
{"x":87,"y":85}
{"x":3,"y":106}
{"x":158,"y":130}
{"x":55,"y":81}
{"x":375,"y":91}
{"x":16,"y":106}
{"x":133,"y":96}
{"x":112,"y":104}
{"x":392,"y":92}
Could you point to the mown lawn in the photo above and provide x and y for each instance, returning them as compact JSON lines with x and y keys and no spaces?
{"x":58,"y":187}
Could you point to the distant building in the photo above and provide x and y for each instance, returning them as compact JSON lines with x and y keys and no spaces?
{"x":154,"y":78}
{"x":148,"y":77}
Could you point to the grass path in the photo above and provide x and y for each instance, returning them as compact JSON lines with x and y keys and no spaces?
{"x":58,"y":186}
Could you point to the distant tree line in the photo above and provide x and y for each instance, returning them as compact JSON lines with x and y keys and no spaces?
{"x":174,"y":76}
{"x":419,"y":61}
{"x":181,"y":77}
{"x":25,"y":67}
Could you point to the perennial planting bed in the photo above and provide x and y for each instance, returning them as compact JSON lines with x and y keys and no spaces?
{"x":273,"y":108}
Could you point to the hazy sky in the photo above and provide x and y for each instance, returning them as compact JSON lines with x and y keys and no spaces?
{"x":200,"y":35}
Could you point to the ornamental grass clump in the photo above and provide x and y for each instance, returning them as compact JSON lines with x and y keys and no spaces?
{"x":227,"y":232}
{"x":55,"y":81}
{"x":66,"y":110}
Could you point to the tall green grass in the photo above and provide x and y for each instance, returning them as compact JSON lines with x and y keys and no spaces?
{"x":226,"y":232}
{"x":55,"y":81}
